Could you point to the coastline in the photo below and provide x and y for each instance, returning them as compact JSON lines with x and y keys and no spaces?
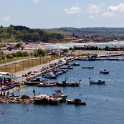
{"x":81,"y":43}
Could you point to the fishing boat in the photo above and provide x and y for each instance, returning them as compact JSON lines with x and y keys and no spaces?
{"x":104,"y":71}
{"x":87,"y":67}
{"x":44,"y":85}
{"x":66,"y":67}
{"x":68,"y":84}
{"x":31,"y":83}
{"x":59,"y":94}
{"x":41,"y":99}
{"x":76,"y":102}
{"x":49,"y":75}
{"x":53,"y":101}
{"x":75,"y":64}
{"x":98,"y":82}
{"x":47,"y":84}
{"x":46,"y":100}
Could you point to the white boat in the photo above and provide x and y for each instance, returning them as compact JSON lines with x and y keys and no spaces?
{"x":104,"y":71}
{"x":87,"y":67}
{"x":49,"y":75}
{"x":59,"y":94}
{"x":46,"y":84}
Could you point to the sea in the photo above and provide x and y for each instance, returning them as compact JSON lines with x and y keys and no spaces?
{"x":104,"y":103}
{"x":71,"y":45}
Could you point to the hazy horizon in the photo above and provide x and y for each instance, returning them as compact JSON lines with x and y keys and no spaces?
{"x":45,"y":14}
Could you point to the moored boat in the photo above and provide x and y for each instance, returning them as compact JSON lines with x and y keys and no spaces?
{"x":41,"y":99}
{"x":98,"y":82}
{"x":46,"y":100}
{"x":75,"y":64}
{"x":30,"y":83}
{"x":87,"y":67}
{"x":49,"y":75}
{"x":64,"y":84}
{"x":76,"y":102}
{"x":44,"y":85}
{"x":59,"y":94}
{"x":104,"y":71}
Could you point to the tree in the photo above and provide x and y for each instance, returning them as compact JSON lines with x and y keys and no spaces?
{"x":41,"y":52}
{"x":106,"y":48}
{"x":18,"y":45}
{"x":65,"y":50}
{"x":9,"y":56}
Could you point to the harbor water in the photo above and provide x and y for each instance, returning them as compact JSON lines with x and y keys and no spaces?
{"x":105,"y":103}
{"x":67,"y":46}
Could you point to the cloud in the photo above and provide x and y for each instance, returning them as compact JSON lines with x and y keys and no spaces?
{"x":36,"y":1}
{"x":93,"y":8}
{"x":72,"y":10}
{"x":108,"y":14}
{"x":7,"y":18}
{"x":112,"y":11}
{"x":92,"y":17}
{"x":118,"y":8}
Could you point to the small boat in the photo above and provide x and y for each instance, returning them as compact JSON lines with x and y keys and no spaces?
{"x":54,"y":101}
{"x":46,"y":100}
{"x":66,"y":67}
{"x":59,"y":72}
{"x":68,"y":84}
{"x":75,"y":64}
{"x":14,"y":95}
{"x":31,"y":83}
{"x":49,"y":75}
{"x":44,"y":85}
{"x":98,"y":82}
{"x":104,"y":71}
{"x":76,"y":102}
{"x":41,"y":99}
{"x":87,"y":67}
{"x":59,"y":94}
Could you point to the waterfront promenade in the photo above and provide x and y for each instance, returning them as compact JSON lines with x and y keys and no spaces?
{"x":32,"y":69}
{"x":78,"y":52}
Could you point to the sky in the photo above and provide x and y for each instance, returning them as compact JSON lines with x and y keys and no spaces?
{"x":62,"y":13}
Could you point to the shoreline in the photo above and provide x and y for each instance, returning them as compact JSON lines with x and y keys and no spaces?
{"x":85,"y":43}
{"x":80,"y":43}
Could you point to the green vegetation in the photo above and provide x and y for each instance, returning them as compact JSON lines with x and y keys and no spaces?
{"x":22,"y":33}
{"x":20,"y":54}
{"x":96,"y":33}
{"x":14,"y":67}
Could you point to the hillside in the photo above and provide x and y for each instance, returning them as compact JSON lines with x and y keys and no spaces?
{"x":64,"y":34}
{"x":22,"y":33}
{"x":100,"y":32}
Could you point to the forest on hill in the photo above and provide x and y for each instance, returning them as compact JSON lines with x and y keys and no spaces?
{"x":95,"y":32}
{"x":22,"y":33}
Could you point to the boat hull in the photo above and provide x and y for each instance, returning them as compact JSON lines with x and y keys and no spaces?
{"x":75,"y":103}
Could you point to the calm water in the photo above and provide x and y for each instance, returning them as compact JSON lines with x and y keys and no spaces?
{"x":66,"y":46}
{"x":105,"y":104}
